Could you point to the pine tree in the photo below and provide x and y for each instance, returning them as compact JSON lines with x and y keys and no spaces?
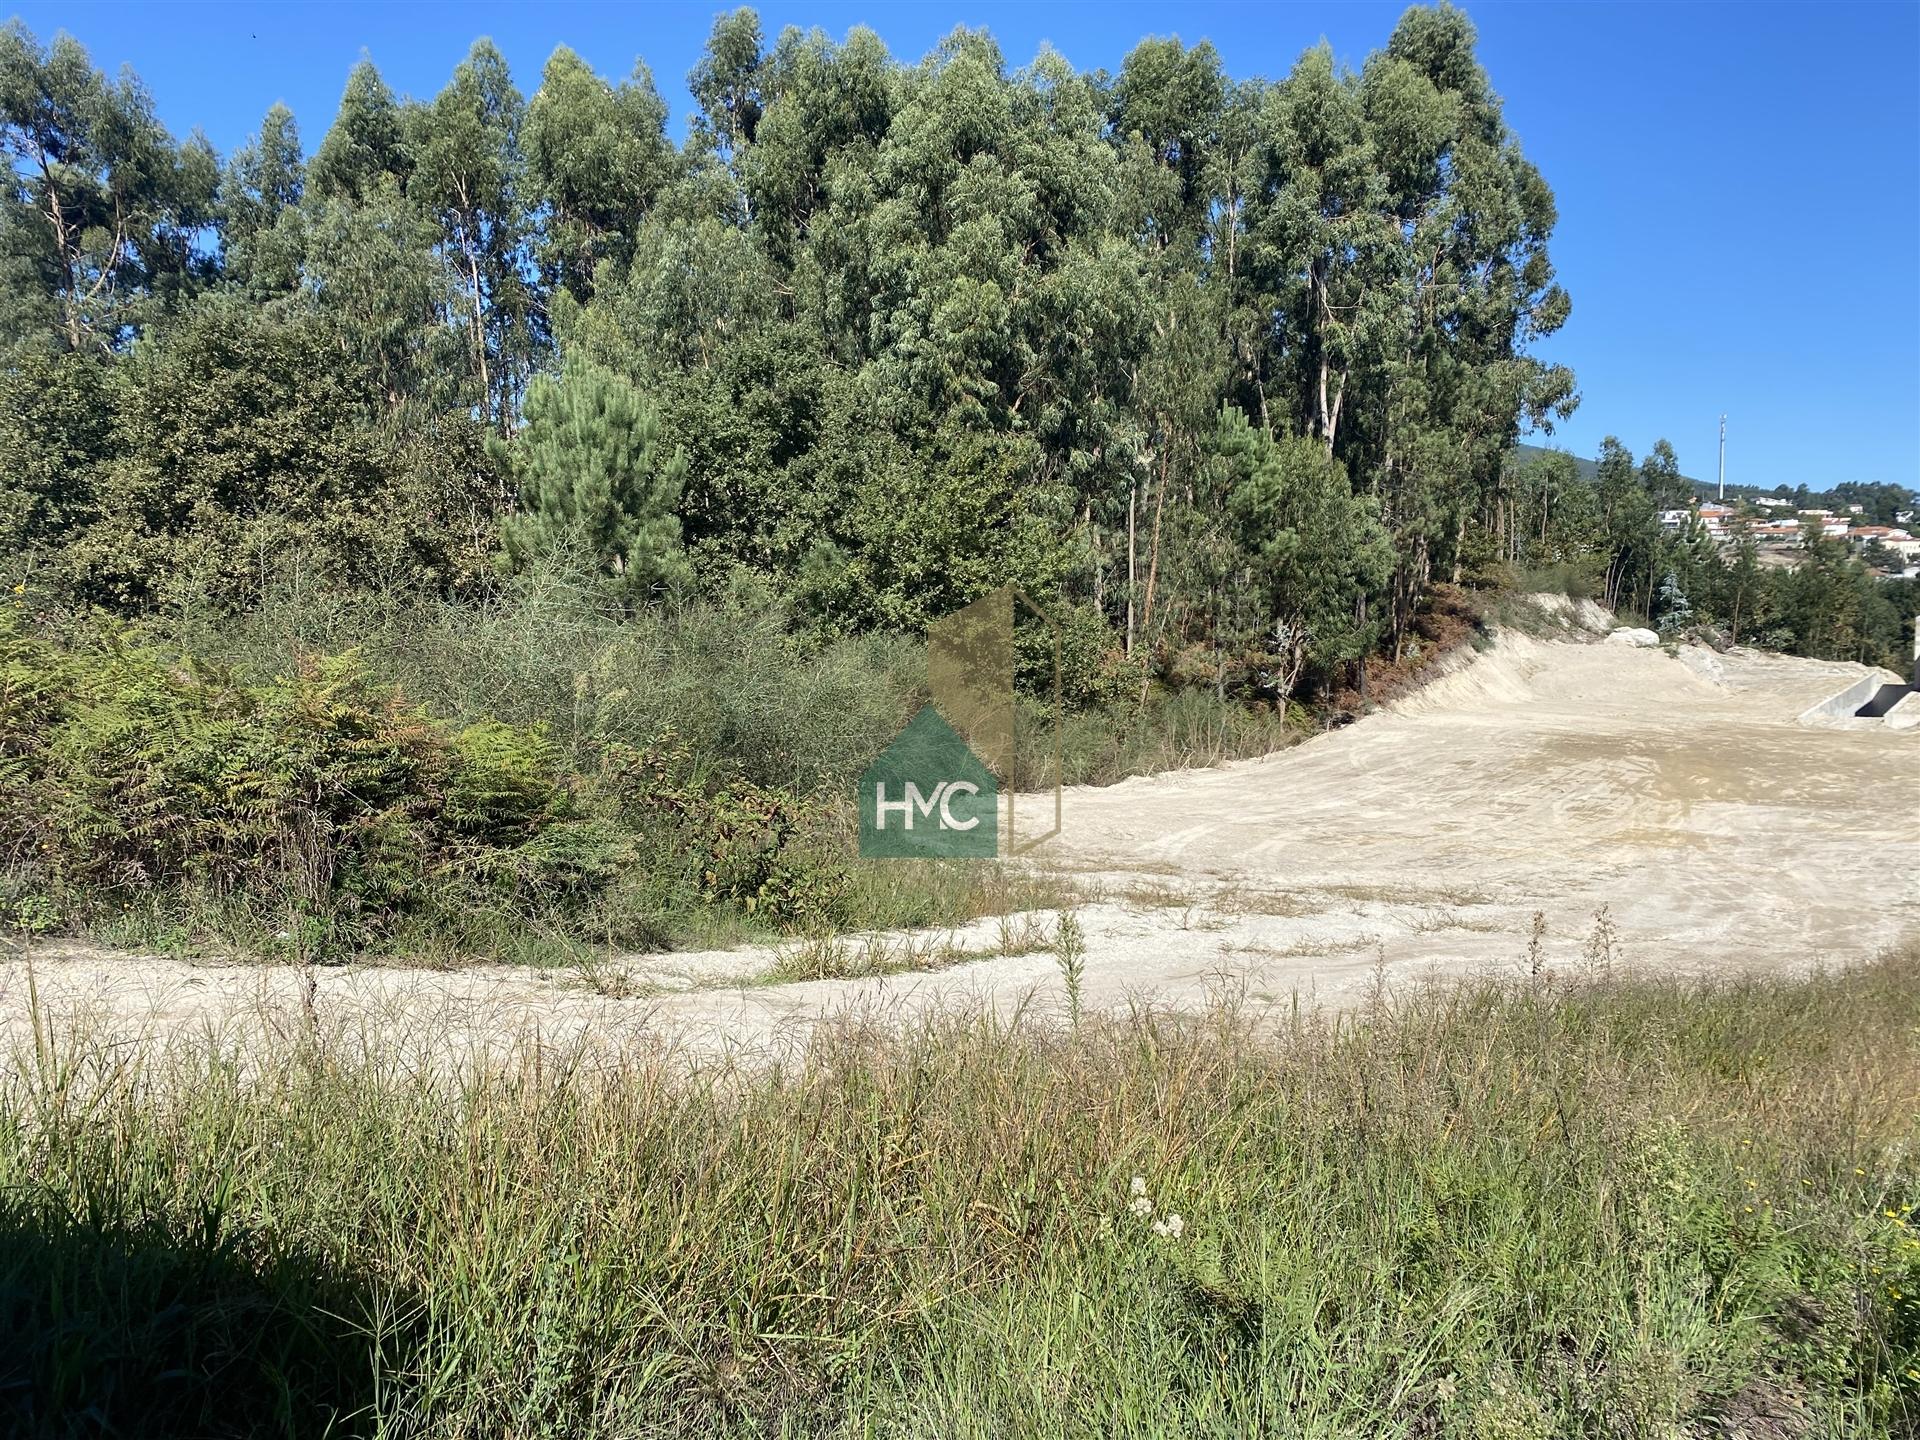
{"x":595,"y":470}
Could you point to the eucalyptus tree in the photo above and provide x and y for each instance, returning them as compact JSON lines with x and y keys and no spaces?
{"x":1631,"y":527}
{"x":726,"y":86}
{"x":102,"y":218}
{"x":597,"y":158}
{"x":1166,"y":112}
{"x":1401,"y":240}
{"x":914,"y":329}
{"x":467,"y":172}
{"x":1660,"y":477}
{"x":260,"y":195}
{"x":365,"y":149}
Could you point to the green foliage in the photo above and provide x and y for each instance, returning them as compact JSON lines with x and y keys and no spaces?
{"x":915,"y":331}
{"x":760,"y":848}
{"x":129,"y":773}
{"x":100,"y":218}
{"x":55,"y":429}
{"x":1315,"y":549}
{"x":261,"y":189}
{"x":598,"y":156}
{"x":1549,"y":1209}
{"x":236,"y":442}
{"x":364,"y":150}
{"x":1224,"y":373}
{"x":593,"y":468}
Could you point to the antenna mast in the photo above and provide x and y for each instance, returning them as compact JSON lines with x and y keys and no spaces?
{"x":1723,"y":457}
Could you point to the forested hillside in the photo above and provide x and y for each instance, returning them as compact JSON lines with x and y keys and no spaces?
{"x":563,"y":424}
{"x":1235,"y":364}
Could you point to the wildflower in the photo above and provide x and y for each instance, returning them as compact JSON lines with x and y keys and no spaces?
{"x":1169,"y":1228}
{"x":1140,"y":1205}
{"x":1858,"y":1171}
{"x":1138,"y":1185}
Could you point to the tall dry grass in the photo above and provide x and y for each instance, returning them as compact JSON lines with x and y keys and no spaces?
{"x":1609,"y":1208}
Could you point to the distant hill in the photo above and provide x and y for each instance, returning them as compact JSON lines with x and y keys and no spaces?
{"x":1588,"y":471}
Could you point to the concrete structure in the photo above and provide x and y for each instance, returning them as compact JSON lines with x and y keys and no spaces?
{"x":1837,"y":710}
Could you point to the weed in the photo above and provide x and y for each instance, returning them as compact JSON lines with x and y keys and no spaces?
{"x":1613,"y":1207}
{"x":1602,"y":943}
{"x":1070,"y":949}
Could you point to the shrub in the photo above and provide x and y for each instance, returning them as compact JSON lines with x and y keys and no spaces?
{"x":322,"y":798}
{"x":128,"y":772}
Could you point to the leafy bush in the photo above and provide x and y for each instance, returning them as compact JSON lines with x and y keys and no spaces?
{"x":324,"y":799}
{"x":559,"y":644}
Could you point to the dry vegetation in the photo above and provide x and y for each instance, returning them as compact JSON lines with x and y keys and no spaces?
{"x":1587,"y":1206}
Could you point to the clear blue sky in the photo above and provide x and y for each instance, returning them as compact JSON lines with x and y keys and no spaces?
{"x":1739,"y":186}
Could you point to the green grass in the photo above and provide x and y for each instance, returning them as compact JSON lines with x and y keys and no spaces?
{"x":1176,"y":730}
{"x":538,"y":776}
{"x":1607,"y":1208}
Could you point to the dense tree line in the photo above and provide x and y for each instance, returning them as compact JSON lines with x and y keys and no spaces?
{"x":1604,"y":536}
{"x":1231,"y":370}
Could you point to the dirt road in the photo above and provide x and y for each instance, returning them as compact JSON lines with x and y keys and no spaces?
{"x":1679,"y":798}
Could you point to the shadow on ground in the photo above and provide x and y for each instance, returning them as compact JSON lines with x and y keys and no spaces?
{"x":110,"y":1327}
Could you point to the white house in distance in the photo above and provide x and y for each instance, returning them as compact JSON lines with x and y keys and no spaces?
{"x":1906,"y":546}
{"x":1714,"y":516}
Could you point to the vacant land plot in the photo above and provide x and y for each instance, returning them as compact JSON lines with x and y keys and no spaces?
{"x":1551,"y":803}
{"x":1657,"y":1180}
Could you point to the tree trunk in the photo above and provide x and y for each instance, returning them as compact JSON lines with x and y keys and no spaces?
{"x":1153,"y":562}
{"x":467,"y":228}
{"x":1333,"y":415}
{"x":1360,"y":621}
{"x":479,"y":330}
{"x":1133,"y":496}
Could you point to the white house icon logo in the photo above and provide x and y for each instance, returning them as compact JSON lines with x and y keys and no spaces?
{"x":929,"y":794}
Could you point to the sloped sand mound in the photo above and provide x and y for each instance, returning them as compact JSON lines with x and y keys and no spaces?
{"x":1676,"y":797}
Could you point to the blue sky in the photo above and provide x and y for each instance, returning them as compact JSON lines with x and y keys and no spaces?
{"x":1739,"y":185}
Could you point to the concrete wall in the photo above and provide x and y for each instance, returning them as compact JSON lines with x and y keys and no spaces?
{"x":1839,"y":707}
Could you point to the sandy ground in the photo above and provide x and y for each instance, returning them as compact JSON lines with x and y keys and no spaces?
{"x":1681,"y":793}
